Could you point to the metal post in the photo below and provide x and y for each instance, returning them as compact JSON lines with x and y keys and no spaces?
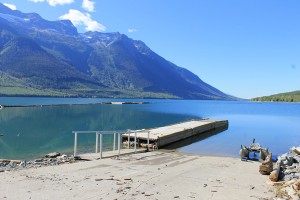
{"x":128,"y":140}
{"x":97,"y":140}
{"x":119,"y":143}
{"x":101,"y":145}
{"x":135,"y":142}
{"x":75,"y":143}
{"x":114,"y":142}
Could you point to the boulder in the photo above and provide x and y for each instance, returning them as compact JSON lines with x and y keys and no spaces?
{"x":52,"y":155}
{"x":23,"y":163}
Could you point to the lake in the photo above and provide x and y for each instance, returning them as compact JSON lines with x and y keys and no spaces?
{"x":30,"y":132}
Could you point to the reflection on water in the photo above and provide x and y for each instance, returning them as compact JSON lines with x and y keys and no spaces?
{"x":195,"y":138}
{"x":33,"y":131}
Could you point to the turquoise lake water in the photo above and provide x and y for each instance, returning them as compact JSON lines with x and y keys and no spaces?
{"x":30,"y":132}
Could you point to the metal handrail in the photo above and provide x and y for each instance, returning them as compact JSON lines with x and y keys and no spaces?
{"x":101,"y":133}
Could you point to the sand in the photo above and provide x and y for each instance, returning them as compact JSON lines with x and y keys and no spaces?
{"x":152,"y":175}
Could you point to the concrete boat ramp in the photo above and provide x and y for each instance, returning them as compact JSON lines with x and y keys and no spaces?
{"x":134,"y":141}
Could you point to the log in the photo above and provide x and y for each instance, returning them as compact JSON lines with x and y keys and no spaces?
{"x":265,"y":170}
{"x":8,"y":161}
{"x":267,"y":166}
{"x":283,"y":183}
{"x":264,"y":153}
{"x":275,"y":173}
{"x":268,"y":159}
{"x":296,"y":185}
{"x":244,"y":152}
{"x":296,"y":150}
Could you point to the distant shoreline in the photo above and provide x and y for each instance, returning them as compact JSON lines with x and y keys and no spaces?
{"x":71,"y":104}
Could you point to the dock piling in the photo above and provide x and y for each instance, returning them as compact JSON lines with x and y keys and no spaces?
{"x":114,"y":147}
{"x":119,"y":143}
{"x":148,"y":140}
{"x":128,"y":139}
{"x":101,"y":145}
{"x":134,"y":142}
{"x":97,"y":140}
{"x":75,"y":143}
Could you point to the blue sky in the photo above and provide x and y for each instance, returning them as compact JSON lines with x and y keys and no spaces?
{"x":246,"y":48}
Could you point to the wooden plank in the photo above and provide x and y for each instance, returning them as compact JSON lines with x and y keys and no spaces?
{"x":8,"y":161}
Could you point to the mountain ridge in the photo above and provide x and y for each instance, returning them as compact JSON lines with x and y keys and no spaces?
{"x":51,"y":56}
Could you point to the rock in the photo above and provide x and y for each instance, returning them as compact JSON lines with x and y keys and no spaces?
{"x":38,"y":161}
{"x":12,"y":164}
{"x":64,"y":156}
{"x":288,"y":161}
{"x":23,"y":163}
{"x":2,"y":164}
{"x":290,"y":168}
{"x":53,"y":155}
{"x":8,"y":165}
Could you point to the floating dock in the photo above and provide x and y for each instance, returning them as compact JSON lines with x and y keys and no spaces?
{"x":166,"y":135}
{"x":135,"y":141}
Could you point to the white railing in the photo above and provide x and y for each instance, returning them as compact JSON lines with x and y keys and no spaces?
{"x":99,"y":135}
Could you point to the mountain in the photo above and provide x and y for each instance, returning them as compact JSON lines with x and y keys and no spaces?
{"x":282,"y":97}
{"x":50,"y":58}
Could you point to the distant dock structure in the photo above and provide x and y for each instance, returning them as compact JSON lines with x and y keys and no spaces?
{"x":134,"y":141}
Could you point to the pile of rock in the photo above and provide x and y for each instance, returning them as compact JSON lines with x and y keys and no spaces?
{"x":287,"y":166}
{"x":49,"y":160}
{"x":287,"y":172}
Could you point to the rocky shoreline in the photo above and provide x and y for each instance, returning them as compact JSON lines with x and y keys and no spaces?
{"x":284,"y":174}
{"x":50,"y":159}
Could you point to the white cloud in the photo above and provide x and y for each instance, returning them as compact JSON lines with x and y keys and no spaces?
{"x":88,"y":5}
{"x":54,"y":2}
{"x":36,"y":1}
{"x":131,"y":30}
{"x":11,"y":6}
{"x":80,"y":19}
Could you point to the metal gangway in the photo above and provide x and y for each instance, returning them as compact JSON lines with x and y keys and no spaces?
{"x":117,"y":134}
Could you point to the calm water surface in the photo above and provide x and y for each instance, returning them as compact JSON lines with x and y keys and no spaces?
{"x":33,"y":131}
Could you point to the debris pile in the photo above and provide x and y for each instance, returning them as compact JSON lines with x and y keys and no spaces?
{"x":287,"y":166}
{"x":286,"y":175}
{"x":49,"y":160}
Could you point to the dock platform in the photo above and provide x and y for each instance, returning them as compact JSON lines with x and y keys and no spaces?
{"x":166,"y":135}
{"x":136,"y":141}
